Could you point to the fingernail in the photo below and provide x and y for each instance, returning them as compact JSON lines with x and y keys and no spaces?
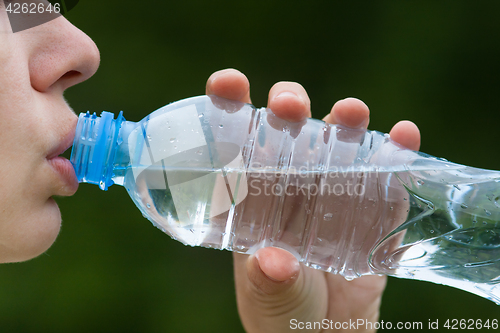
{"x":287,"y":94}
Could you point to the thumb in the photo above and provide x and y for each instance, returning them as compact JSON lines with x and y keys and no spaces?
{"x":272,"y":288}
{"x":272,"y":271}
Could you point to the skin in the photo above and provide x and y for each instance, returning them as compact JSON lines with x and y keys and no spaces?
{"x":37,"y":125}
{"x":271,"y":286}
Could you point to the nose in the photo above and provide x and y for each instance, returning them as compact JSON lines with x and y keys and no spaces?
{"x":60,"y":55}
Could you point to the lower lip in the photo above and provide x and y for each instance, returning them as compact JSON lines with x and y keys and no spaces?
{"x":66,"y":172}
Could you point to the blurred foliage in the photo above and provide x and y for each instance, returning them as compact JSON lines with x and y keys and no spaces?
{"x":435,"y":63}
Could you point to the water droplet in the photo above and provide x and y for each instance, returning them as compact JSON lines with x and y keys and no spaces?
{"x":221,"y":126}
{"x":199,"y":152}
{"x":405,"y":199}
{"x":487,"y":212}
{"x":348,"y":278}
{"x":464,"y":206}
{"x":420,"y":182}
{"x":172,"y":140}
{"x":148,"y":205}
{"x":149,"y":137}
{"x":175,"y":147}
{"x":201,"y":115}
{"x":391,"y":208}
{"x":192,"y":230}
{"x":328,"y":216}
{"x":456,"y":186}
{"x":431,"y":231}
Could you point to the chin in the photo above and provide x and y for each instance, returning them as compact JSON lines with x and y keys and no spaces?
{"x":35,"y":235}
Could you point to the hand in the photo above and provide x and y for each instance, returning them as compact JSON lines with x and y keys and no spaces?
{"x":272,"y":287}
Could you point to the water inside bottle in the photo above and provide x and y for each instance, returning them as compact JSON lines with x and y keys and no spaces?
{"x":435,"y":225}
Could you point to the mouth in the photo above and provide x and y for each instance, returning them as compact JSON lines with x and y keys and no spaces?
{"x":63,"y":167}
{"x":63,"y":145}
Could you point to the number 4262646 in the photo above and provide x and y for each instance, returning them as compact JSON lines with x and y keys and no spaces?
{"x":32,"y":8}
{"x":470,"y":324}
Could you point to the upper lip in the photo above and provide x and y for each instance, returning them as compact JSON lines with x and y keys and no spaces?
{"x":63,"y":145}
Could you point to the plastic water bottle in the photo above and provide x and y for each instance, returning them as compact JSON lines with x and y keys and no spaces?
{"x":222,"y":174}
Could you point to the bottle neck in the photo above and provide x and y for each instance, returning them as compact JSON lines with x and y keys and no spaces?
{"x":96,"y":148}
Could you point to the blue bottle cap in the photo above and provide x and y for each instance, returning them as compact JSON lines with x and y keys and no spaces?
{"x":94,"y":148}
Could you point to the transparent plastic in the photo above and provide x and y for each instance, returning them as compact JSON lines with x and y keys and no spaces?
{"x":223,"y":174}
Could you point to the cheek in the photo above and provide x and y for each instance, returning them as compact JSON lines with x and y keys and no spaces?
{"x":28,"y":231}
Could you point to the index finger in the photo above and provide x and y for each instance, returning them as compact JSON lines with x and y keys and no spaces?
{"x":230,"y":84}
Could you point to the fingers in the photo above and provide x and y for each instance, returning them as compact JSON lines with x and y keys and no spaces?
{"x":230,"y":84}
{"x":289,"y":101}
{"x":350,"y":112}
{"x":407,"y":134}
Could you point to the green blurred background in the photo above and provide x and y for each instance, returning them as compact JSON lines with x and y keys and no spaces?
{"x":110,"y":270}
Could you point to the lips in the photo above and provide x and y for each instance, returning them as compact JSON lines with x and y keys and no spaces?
{"x":63,"y":167}
{"x":63,"y":145}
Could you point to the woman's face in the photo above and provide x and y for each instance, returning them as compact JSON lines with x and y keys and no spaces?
{"x":37,"y":125}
